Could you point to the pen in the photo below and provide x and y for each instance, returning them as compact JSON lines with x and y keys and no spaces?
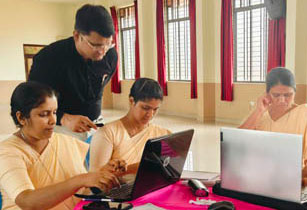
{"x":98,"y":199}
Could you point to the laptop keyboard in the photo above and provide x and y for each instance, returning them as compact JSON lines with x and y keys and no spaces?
{"x":121,"y":192}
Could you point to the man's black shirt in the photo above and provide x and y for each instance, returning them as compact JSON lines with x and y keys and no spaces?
{"x":78,"y":82}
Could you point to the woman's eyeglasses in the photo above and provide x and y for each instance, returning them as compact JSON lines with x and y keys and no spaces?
{"x":285,"y":95}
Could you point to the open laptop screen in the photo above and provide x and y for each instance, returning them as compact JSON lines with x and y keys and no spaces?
{"x":162,"y":162}
{"x":261,"y":163}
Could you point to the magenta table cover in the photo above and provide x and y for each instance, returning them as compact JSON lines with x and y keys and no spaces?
{"x":177,"y":197}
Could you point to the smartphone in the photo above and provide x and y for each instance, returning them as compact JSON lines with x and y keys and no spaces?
{"x":99,"y":124}
{"x":107,"y":206}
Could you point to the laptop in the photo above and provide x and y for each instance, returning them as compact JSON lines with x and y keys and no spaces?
{"x":161,"y":165}
{"x":267,"y":164}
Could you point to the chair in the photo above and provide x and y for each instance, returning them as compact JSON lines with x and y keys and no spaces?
{"x":87,"y":158}
{"x":88,"y":140}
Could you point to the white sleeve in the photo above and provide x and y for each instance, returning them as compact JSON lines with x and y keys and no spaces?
{"x":101,"y":149}
{"x":14,"y":177}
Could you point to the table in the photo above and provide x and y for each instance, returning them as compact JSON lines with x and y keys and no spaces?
{"x":177,"y":197}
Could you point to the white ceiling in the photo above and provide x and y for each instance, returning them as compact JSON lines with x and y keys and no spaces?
{"x":64,"y":1}
{"x":103,"y":2}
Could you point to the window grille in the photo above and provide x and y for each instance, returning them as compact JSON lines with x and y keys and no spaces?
{"x":127,"y":46}
{"x":250,"y":27}
{"x":188,"y":165}
{"x":177,"y":34}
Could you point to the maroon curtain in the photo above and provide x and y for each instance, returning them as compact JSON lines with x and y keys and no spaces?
{"x":161,"y":47}
{"x":277,"y":42}
{"x":115,"y":82}
{"x":192,"y":14}
{"x":137,"y":50}
{"x":226,"y":51}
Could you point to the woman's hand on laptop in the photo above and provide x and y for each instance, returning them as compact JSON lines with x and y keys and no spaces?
{"x":304,"y":174}
{"x":116,"y":166}
{"x":132,"y":168}
{"x":102,"y":179}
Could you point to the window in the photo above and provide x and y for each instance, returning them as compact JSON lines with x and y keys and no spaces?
{"x":127,"y":46}
{"x":178,"y":56}
{"x":188,"y":165}
{"x":250,"y":27}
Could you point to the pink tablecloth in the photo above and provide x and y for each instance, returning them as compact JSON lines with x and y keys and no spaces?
{"x":177,"y":197}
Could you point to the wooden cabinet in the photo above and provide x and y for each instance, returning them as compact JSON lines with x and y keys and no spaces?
{"x":29,"y":51}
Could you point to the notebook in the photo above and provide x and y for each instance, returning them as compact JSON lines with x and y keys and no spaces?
{"x":261,"y":163}
{"x":161,"y":165}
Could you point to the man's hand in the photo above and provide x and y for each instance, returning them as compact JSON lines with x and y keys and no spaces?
{"x":77,"y":123}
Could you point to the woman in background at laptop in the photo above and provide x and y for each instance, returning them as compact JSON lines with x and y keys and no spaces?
{"x":40,"y":169}
{"x":125,"y":138}
{"x":276,"y":110}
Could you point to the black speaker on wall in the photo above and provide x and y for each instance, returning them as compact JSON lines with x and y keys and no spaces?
{"x":276,"y":8}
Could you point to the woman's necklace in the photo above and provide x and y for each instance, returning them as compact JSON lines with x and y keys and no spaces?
{"x":25,"y":139}
{"x":284,"y":113}
{"x":132,"y":130}
{"x":287,"y":118}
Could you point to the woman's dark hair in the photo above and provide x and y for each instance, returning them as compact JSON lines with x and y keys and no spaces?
{"x":145,"y":89}
{"x":280,"y":76}
{"x":27,"y":96}
{"x":94,"y":18}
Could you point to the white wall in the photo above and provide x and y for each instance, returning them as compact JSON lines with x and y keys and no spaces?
{"x":29,"y":22}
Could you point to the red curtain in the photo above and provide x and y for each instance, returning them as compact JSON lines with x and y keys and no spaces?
{"x":192,"y":13}
{"x":137,"y":50}
{"x":161,"y":47}
{"x":277,"y":42}
{"x":226,"y":51}
{"x":115,"y":83}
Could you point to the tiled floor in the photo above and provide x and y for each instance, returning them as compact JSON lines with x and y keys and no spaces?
{"x":205,"y":144}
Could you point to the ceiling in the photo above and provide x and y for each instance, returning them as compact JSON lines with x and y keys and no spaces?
{"x":67,"y":1}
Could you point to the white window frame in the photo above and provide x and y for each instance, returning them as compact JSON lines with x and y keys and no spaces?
{"x":178,"y":61}
{"x":127,"y":40}
{"x":250,"y":67}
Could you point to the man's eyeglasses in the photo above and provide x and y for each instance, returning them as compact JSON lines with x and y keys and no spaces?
{"x":285,"y":95}
{"x":105,"y":47}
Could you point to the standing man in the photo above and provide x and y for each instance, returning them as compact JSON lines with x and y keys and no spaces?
{"x":79,"y":68}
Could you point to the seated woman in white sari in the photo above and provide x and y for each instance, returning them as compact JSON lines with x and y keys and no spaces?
{"x":277,"y":112}
{"x":125,"y":138}
{"x":40,"y":169}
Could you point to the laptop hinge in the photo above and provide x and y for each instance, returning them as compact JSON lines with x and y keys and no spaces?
{"x":221,"y":136}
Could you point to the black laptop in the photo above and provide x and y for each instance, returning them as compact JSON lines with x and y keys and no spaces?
{"x":161,"y":165}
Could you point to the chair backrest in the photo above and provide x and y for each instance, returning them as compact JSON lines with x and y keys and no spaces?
{"x":88,"y":140}
{"x":87,"y":158}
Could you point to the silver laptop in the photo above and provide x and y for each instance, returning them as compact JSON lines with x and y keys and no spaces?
{"x":262,"y":163}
